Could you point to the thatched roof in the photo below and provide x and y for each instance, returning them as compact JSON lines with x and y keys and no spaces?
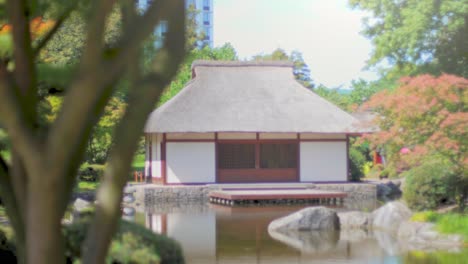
{"x":247,"y":97}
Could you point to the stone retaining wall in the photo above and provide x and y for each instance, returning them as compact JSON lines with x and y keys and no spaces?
{"x":156,"y":194}
{"x":360,"y":195}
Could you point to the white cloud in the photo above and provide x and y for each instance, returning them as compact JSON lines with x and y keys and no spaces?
{"x":326,"y":32}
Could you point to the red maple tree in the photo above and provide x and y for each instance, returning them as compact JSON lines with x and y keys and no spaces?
{"x":425,"y":114}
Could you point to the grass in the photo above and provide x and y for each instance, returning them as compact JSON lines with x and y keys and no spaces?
{"x":7,"y":155}
{"x":138,"y":163}
{"x":84,"y":186}
{"x":447,"y":223}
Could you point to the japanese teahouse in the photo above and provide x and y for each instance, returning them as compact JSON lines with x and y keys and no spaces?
{"x":247,"y":122}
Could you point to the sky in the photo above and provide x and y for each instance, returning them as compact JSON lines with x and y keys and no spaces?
{"x":326,"y":32}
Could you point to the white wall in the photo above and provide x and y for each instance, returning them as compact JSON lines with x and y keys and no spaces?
{"x":323,"y":161}
{"x":155,"y":162}
{"x":189,"y":162}
{"x":156,"y":155}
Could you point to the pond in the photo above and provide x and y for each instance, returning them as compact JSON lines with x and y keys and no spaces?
{"x":217,"y":234}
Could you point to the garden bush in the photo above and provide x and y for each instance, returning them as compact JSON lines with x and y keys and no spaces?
{"x":429,"y":185}
{"x":357,"y":164}
{"x":91,"y":172}
{"x":132,"y":243}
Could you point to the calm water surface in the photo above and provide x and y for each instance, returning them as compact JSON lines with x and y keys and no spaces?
{"x":216,"y":234}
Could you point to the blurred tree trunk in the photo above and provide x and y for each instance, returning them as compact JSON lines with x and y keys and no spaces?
{"x":37,"y":185}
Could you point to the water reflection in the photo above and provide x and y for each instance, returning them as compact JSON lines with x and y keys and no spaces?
{"x":216,"y":234}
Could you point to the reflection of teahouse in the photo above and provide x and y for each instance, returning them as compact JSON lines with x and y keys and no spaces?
{"x":247,"y":122}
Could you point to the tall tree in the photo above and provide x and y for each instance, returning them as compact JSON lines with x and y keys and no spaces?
{"x":427,"y":115}
{"x":37,"y":184}
{"x":418,"y":36}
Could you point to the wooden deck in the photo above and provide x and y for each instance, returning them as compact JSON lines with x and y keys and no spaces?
{"x":275,"y":196}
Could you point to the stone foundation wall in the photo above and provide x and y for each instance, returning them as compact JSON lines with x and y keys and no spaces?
{"x":360,"y":195}
{"x":157,"y":194}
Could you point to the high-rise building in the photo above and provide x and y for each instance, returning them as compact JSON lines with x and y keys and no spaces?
{"x":204,"y":19}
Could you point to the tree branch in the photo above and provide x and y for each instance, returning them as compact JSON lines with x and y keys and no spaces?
{"x":142,"y":99}
{"x":92,"y":52}
{"x":24,"y":72}
{"x":58,"y":23}
{"x":84,"y":101}
{"x":15,"y":121}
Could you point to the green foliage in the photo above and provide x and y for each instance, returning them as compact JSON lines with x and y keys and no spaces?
{"x":447,"y":223}
{"x":429,"y":184}
{"x":101,"y":140}
{"x":138,"y":162}
{"x":357,"y":163}
{"x":6,"y":46}
{"x":424,"y":216}
{"x":131,"y":244}
{"x":418,"y":36}
{"x":334,"y":96}
{"x":66,"y":46}
{"x":436,"y":257}
{"x":453,"y":223}
{"x":194,"y":38}
{"x":91,"y":172}
{"x":86,"y":186}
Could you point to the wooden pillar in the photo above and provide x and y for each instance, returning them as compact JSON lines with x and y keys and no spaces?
{"x":298,"y":158}
{"x":216,"y":157}
{"x":163,"y":159}
{"x":348,"y":173}
{"x":149,"y":176}
{"x":257,"y":152}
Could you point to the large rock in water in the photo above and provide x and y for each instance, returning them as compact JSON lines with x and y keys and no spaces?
{"x":355,"y":219}
{"x":390,"y":216}
{"x":310,"y":218}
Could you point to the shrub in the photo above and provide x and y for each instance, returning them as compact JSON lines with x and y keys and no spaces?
{"x":131,"y":244}
{"x":357,"y":163}
{"x":91,"y":172}
{"x":429,"y":185}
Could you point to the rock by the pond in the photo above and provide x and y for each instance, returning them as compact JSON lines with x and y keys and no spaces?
{"x":355,"y":219}
{"x":310,"y":218}
{"x":80,"y":205}
{"x":389,"y":191}
{"x":422,"y":236}
{"x":128,"y":198}
{"x":390,"y":216}
{"x":128,"y":211}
